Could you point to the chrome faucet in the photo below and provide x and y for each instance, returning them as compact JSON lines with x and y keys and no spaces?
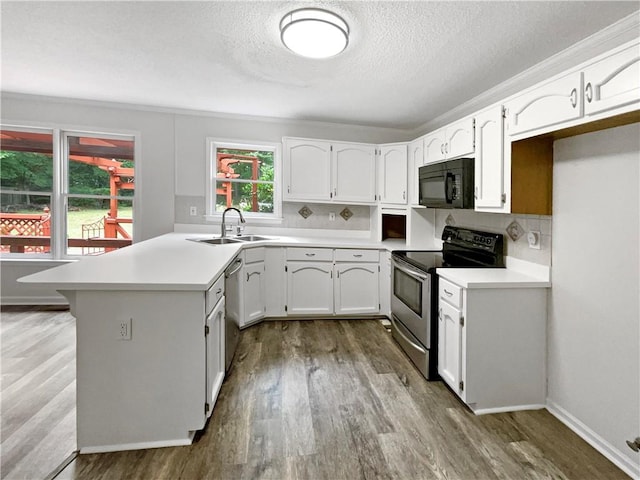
{"x":223,"y":226}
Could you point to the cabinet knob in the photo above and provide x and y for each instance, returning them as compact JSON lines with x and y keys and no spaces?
{"x":588,"y":92}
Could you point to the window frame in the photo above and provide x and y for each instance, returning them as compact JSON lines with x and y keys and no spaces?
{"x":60,"y":191}
{"x":215,"y":143}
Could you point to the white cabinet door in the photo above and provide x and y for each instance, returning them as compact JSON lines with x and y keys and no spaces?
{"x":393,"y":174}
{"x":309,"y":288}
{"x":416,"y":160}
{"x":449,"y":342}
{"x":215,"y":354}
{"x":549,"y":104}
{"x":489,"y":163}
{"x":307,"y":167}
{"x":434,"y":147}
{"x":274,"y":262}
{"x":356,"y":288}
{"x":354,"y":173}
{"x":459,"y":139}
{"x":254,"y":293}
{"x":613,"y":81}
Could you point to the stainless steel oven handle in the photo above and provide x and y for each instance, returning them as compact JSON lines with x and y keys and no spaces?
{"x":409,"y":271}
{"x":405,"y":338}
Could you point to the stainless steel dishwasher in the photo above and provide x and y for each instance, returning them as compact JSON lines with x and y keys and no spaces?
{"x":233,"y":294}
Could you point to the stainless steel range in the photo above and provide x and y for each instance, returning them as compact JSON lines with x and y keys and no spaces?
{"x":414,"y":299}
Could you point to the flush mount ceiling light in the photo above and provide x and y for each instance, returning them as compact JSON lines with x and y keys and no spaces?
{"x":314,"y":33}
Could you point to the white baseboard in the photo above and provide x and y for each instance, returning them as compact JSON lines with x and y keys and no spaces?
{"x":56,"y":300}
{"x":595,"y":440}
{"x":516,"y":408}
{"x":180,"y":442}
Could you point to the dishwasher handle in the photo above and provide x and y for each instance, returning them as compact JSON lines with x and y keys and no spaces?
{"x":228,"y":273}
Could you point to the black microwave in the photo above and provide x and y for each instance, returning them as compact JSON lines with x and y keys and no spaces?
{"x":448,"y":184}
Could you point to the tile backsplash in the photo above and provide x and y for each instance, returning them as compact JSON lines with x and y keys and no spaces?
{"x":356,"y":217}
{"x":498,"y":223}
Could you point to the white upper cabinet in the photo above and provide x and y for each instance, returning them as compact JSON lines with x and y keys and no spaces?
{"x":551,"y":103}
{"x":453,"y":141}
{"x":416,"y":160}
{"x":325,"y":171}
{"x":613,"y":81}
{"x":459,"y":139}
{"x":393,"y":174}
{"x":489,"y":162}
{"x":434,"y":147}
{"x":354,"y":173}
{"x":307,"y":170}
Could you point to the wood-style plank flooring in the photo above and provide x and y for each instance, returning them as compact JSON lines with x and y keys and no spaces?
{"x":38,"y":410}
{"x":331,"y":399}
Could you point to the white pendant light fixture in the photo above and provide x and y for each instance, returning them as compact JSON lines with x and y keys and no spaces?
{"x":314,"y":33}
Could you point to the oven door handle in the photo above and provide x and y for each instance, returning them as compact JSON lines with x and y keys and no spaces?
{"x":409,"y":271}
{"x":405,"y":338}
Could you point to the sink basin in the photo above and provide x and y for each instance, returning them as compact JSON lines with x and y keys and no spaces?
{"x":251,"y":238}
{"x":218,"y":241}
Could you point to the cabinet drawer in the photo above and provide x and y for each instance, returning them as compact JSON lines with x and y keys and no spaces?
{"x":215,"y":293}
{"x":252,"y":255}
{"x":450,"y":292}
{"x":356,"y":255}
{"x":311,"y":254}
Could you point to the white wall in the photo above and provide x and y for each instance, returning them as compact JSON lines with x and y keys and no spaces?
{"x":594,"y":312}
{"x":172,"y":170}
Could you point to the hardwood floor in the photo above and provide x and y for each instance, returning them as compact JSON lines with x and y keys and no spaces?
{"x":38,"y":424}
{"x":331,"y":399}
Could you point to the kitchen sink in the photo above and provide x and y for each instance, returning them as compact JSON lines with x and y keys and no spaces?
{"x":251,"y":238}
{"x":216,"y":241}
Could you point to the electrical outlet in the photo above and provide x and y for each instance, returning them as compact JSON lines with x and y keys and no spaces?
{"x":534,"y":240}
{"x":124,"y":329}
{"x":332,"y":217}
{"x":193,"y":211}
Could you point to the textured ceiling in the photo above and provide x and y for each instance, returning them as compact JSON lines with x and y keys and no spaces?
{"x":407,"y":62}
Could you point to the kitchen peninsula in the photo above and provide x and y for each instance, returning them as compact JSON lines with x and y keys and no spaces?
{"x":159,"y":289}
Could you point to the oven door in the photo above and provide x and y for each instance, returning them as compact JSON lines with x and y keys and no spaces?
{"x":410,"y":300}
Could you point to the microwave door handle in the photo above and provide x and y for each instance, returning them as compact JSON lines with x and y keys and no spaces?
{"x":448,"y":188}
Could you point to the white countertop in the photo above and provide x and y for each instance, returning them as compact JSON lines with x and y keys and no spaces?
{"x":492,"y":278}
{"x":171,"y":262}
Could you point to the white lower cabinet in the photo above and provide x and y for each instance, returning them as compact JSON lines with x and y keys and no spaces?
{"x":449,"y":341}
{"x":318,"y":286}
{"x":309,"y":288}
{"x":356,"y":282}
{"x":492,"y":344}
{"x":253,"y":291}
{"x":215,"y":354}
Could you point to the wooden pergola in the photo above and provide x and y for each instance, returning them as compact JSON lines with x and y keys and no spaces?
{"x":31,"y":232}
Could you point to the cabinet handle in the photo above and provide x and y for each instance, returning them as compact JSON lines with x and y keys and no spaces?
{"x":335,"y":192}
{"x":588,"y":92}
{"x":446,"y":147}
{"x":475,"y":194}
{"x":219,"y":291}
{"x":357,"y":255}
{"x":440,"y":314}
{"x":404,"y":195}
{"x":574,"y":98}
{"x":310,"y":254}
{"x":442,"y":148}
{"x":288,"y":189}
{"x":448,"y":292}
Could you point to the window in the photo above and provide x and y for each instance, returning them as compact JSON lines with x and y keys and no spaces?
{"x":242,"y":175}
{"x":57,"y":202}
